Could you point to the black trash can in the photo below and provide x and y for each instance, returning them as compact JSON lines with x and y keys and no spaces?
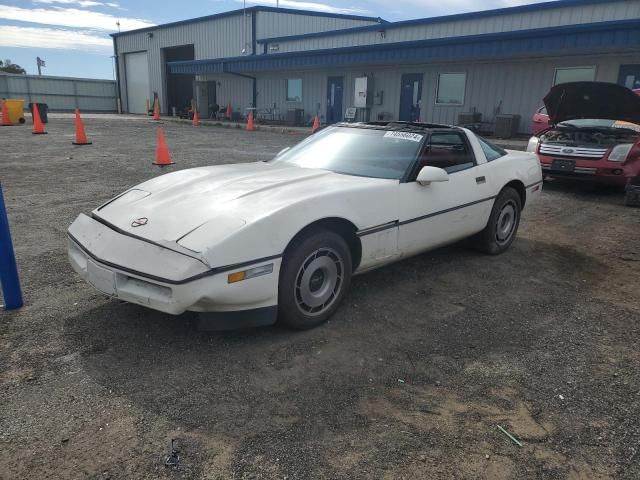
{"x":43,"y":109}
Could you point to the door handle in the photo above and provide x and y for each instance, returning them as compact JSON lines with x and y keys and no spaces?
{"x":480,"y":180}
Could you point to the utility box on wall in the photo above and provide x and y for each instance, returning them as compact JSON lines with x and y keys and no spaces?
{"x":507,"y":126}
{"x":363,"y":94}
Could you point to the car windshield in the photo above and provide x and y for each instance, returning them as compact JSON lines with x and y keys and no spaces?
{"x":357,"y":151}
{"x":599,"y":123}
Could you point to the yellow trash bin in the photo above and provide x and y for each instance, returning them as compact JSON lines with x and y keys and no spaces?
{"x":16,"y":111}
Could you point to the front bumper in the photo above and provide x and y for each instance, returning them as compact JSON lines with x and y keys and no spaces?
{"x":147,"y":274}
{"x":601,"y":171}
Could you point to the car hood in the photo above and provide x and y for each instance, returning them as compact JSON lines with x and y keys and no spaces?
{"x":171,"y":206}
{"x":570,"y":101}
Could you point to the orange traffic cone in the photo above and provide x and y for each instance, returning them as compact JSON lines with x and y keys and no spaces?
{"x":195,"y":118}
{"x":81,"y":136}
{"x":5,"y":115}
{"x":162,"y":152}
{"x":316,"y":124}
{"x":38,"y":128}
{"x":250,"y":126}
{"x":156,"y":111}
{"x":228,"y":113}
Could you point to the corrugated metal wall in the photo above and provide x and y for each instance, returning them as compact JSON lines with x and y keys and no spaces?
{"x":215,"y":38}
{"x":614,"y":10}
{"x":224,"y":37}
{"x":61,"y":93}
{"x":230,"y":89}
{"x":271,"y":24}
{"x":272,"y":91}
{"x":509,"y":87}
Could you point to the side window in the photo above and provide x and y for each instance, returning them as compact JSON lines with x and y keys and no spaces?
{"x":490,"y":150}
{"x":449,"y":151}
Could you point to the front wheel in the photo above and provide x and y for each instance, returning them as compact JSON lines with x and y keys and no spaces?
{"x":314,"y":278}
{"x":632,"y":193}
{"x":503,"y":223}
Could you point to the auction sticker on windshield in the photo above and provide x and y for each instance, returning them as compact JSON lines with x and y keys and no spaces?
{"x":414,"y":137}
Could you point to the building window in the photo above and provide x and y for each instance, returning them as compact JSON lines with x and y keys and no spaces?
{"x":574,"y":74}
{"x":294,"y":89}
{"x":451,"y":88}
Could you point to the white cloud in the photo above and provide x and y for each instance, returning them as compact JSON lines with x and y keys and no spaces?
{"x":81,"y":3}
{"x":29,"y":37}
{"x":319,"y":7}
{"x":71,"y":17}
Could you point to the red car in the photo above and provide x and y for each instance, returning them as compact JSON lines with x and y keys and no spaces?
{"x":540,"y":121}
{"x":593,"y":134}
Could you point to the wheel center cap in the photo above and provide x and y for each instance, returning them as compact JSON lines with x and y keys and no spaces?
{"x":316,"y":281}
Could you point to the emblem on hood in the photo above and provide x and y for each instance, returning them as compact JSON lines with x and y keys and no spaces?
{"x":139,"y":222}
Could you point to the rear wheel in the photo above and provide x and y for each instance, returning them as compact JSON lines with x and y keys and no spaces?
{"x":503,"y":223}
{"x":314,"y":278}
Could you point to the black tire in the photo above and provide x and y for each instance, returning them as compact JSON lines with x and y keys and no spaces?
{"x":503,"y":223}
{"x":632,"y":193}
{"x":316,"y":269}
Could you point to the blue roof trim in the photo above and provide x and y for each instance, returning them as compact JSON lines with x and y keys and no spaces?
{"x":258,"y":8}
{"x":614,"y":35}
{"x":446,"y":18}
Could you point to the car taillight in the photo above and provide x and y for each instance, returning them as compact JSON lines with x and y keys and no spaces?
{"x":620,"y":152}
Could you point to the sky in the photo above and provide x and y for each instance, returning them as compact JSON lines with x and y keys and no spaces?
{"x":72,"y":36}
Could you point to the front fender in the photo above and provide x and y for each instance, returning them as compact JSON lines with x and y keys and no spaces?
{"x":269,"y":234}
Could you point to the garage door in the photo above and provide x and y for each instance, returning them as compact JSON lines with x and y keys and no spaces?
{"x":137,"y":74}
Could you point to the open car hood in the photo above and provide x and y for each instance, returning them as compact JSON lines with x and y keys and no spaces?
{"x":610,"y":101}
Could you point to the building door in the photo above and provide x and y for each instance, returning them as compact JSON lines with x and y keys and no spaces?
{"x":410,"y":97}
{"x":205,"y":98}
{"x":629,"y":76}
{"x":334,"y":99}
{"x":136,"y":67}
{"x":211,"y":93}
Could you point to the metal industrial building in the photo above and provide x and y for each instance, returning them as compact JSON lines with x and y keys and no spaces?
{"x":487,"y":64}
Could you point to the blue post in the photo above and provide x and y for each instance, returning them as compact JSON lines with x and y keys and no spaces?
{"x":8,"y":270}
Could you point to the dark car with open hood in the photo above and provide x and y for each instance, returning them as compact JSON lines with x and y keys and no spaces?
{"x":593,"y":134}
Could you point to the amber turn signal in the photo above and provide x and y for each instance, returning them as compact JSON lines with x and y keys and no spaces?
{"x":236,"y":277}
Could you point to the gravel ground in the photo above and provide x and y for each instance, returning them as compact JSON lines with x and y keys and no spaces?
{"x":408,"y":380}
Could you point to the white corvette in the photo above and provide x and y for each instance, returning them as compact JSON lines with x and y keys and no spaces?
{"x":255,"y":241}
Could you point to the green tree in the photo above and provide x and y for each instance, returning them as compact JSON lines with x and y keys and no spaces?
{"x":9,"y":67}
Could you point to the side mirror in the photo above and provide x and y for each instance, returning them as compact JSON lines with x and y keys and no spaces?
{"x":432,"y":174}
